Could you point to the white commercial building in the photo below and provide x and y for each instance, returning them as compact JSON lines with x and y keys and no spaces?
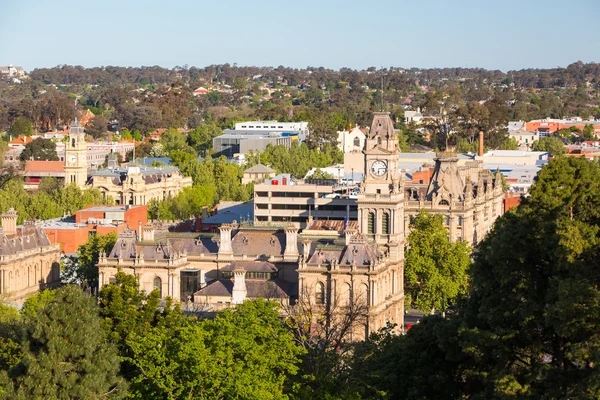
{"x":299,"y":129}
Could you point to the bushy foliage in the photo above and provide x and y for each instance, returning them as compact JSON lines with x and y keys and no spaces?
{"x":51,"y":201}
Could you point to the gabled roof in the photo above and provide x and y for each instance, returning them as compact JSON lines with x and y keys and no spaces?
{"x":260,"y":169}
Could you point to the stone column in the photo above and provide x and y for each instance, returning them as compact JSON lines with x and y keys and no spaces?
{"x":452,"y":227}
{"x":239,"y":291}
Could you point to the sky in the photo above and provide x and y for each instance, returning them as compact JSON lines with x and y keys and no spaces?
{"x":491,"y":34}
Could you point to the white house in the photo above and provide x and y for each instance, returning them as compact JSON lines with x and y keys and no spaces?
{"x":352,"y":141}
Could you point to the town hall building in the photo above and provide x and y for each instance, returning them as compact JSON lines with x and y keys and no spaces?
{"x":330,"y":263}
{"x":133,"y":185}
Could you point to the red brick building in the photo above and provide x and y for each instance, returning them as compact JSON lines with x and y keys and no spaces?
{"x":92,"y":220}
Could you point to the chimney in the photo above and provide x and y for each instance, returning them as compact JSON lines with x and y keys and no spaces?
{"x":148,"y":232}
{"x":291,"y":241}
{"x":239,"y":291}
{"x":9,"y":222}
{"x":225,"y":239}
{"x":480,"y":154}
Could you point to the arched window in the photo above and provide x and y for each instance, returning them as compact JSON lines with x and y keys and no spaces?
{"x":73,"y":142}
{"x":444,"y":203}
{"x":356,"y":142}
{"x":371,"y":223}
{"x":346,"y":295}
{"x":157,"y":284}
{"x":364,"y":294}
{"x":385,"y":224}
{"x":319,"y":293}
{"x":378,"y":140}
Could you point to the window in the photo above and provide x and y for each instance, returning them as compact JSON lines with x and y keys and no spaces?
{"x":371,"y":223}
{"x":73,"y":142}
{"x":112,"y":280}
{"x":444,"y":203}
{"x":320,"y":293}
{"x":157,"y":284}
{"x":356,"y":142}
{"x":385,"y":224}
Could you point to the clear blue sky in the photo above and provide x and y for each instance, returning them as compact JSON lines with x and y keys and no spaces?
{"x":490,"y":34}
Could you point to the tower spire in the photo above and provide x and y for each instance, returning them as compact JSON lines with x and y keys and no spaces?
{"x":75,"y":110}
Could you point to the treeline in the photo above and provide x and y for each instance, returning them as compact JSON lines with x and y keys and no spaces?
{"x":65,"y":344}
{"x":52,"y":200}
{"x":573,"y":75}
{"x":145,"y":99}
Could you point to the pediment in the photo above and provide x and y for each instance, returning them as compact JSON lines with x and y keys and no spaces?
{"x":378,"y":151}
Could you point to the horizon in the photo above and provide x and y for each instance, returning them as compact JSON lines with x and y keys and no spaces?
{"x":516,"y":36}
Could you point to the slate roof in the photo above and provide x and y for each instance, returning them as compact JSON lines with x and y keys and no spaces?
{"x":254,"y":288}
{"x":126,"y":247}
{"x":251,"y":266}
{"x":263,"y":242}
{"x":260,"y":169}
{"x":28,"y":237}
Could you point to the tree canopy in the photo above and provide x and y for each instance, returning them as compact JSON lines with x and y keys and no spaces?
{"x":436,"y":270}
{"x":39,"y":149}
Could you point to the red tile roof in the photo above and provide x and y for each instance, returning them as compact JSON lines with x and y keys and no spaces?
{"x":45,"y":166}
{"x":21,"y":140}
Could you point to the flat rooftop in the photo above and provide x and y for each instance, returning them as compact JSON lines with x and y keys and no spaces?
{"x":110,"y":208}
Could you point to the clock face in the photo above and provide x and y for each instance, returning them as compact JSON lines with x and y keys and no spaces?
{"x":379,"y":168}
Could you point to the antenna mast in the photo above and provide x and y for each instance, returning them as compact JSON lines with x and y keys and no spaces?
{"x":381,"y":88}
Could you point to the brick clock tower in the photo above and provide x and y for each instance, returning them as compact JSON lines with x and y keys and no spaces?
{"x":76,"y":156}
{"x":381,"y":198}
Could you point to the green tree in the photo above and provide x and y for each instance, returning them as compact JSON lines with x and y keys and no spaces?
{"x":173,"y":140}
{"x":318,"y":174}
{"x":509,"y":143}
{"x":21,"y":127}
{"x":65,"y":353}
{"x":83,"y":270}
{"x":436,"y":270}
{"x":201,"y":137}
{"x":39,"y":149}
{"x":126,"y":134}
{"x":552,"y":145}
{"x":254,"y":351}
{"x":97,"y":126}
{"x":588,"y":132}
{"x":532,"y":316}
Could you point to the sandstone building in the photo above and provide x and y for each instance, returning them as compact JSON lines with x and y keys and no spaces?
{"x":329,"y":264}
{"x":133,"y":185}
{"x":28,"y":261}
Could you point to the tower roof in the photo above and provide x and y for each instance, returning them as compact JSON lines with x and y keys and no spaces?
{"x":446,"y":182}
{"x":382,"y":126}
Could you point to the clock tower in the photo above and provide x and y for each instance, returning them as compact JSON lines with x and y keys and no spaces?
{"x":76,"y":156}
{"x":381,"y":198}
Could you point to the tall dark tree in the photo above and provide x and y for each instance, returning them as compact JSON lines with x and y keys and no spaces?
{"x":40,"y":149}
{"x":534,"y":310}
{"x":66,"y":354}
